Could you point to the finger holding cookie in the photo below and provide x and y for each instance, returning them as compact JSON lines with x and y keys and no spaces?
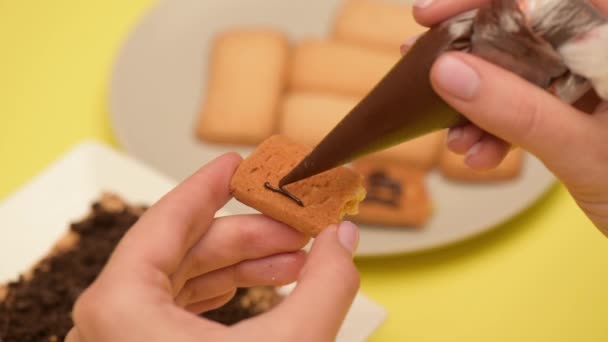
{"x":237,"y":252}
{"x":326,"y":289}
{"x":164,"y":248}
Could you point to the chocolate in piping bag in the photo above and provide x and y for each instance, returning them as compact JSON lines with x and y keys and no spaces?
{"x":527,"y":38}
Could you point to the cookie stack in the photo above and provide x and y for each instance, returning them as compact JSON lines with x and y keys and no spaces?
{"x":262,"y":84}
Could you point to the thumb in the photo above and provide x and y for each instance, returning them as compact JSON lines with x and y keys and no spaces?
{"x":326,"y":288}
{"x":513,"y":109}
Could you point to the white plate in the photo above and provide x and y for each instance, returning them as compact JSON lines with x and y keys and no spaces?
{"x":38,"y":214}
{"x":156,"y":93}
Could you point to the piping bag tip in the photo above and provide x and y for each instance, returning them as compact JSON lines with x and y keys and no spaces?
{"x":401,"y":107}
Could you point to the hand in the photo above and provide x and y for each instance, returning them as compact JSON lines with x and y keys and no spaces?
{"x":178,"y":261}
{"x":505,"y":108}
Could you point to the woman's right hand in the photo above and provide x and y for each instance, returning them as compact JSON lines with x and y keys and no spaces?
{"x":571,"y":141}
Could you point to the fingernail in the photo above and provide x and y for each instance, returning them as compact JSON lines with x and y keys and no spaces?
{"x":457,"y":78}
{"x":602,"y":107}
{"x":455,"y":134}
{"x":348,"y":234}
{"x":473,"y":151}
{"x":408,"y":43}
{"x":423,"y":3}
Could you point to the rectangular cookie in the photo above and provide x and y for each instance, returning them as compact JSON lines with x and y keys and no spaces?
{"x":246,"y":79}
{"x":453,"y":167}
{"x":326,"y":197}
{"x":375,"y":23}
{"x":396,"y":195}
{"x":338,"y":67}
{"x":307,"y":117}
{"x":421,"y":153}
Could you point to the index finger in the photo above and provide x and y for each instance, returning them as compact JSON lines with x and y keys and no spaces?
{"x":165,"y":233}
{"x":432,"y":12}
{"x":602,"y":6}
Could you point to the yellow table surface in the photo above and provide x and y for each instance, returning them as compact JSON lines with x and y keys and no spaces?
{"x":541,"y":277}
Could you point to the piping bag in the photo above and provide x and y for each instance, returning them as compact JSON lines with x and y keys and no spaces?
{"x":558,"y":45}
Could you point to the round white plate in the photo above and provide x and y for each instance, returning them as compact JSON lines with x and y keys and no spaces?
{"x":156,"y":93}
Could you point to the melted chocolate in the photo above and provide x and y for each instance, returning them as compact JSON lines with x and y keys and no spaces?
{"x":379,"y":186}
{"x":560,"y":21}
{"x":515,"y":47}
{"x":281,"y":190}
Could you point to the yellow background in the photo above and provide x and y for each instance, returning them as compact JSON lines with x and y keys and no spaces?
{"x":541,"y":277}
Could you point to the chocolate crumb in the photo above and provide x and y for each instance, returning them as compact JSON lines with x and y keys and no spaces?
{"x":245,"y":304}
{"x":38,"y":307}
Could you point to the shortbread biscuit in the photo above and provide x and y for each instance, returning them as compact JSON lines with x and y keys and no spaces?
{"x":308,"y":117}
{"x":326,"y":197}
{"x":396,"y":195}
{"x":376,"y":23}
{"x":247,"y":77}
{"x":421,"y":153}
{"x":338,"y":67}
{"x":453,"y":167}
